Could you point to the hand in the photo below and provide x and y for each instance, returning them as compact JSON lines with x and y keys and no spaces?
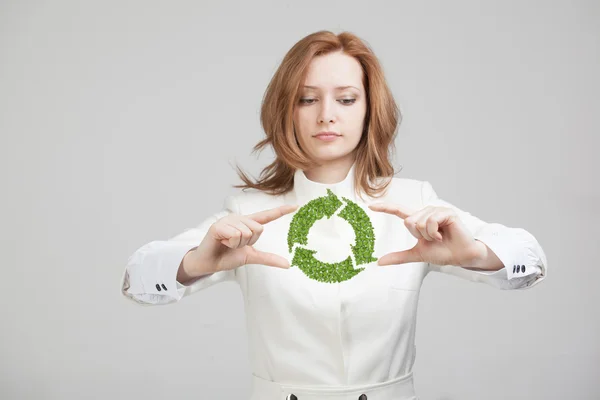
{"x":442,"y":237}
{"x":228,"y":242}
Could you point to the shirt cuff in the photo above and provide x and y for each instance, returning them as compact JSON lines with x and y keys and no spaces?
{"x":516,"y":248}
{"x":160,"y":261}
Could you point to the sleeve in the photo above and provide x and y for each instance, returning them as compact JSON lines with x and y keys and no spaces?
{"x":150,"y":276}
{"x":523,"y":258}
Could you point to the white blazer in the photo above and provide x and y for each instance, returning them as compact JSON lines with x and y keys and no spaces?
{"x":335,"y":325}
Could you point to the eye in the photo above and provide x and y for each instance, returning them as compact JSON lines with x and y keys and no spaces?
{"x":345,"y":102}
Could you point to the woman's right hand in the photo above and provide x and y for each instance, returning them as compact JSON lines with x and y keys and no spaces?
{"x":228,"y":242}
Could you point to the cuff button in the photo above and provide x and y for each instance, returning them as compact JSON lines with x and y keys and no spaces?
{"x":522,"y":268}
{"x":163,"y":286}
{"x":158,"y":287}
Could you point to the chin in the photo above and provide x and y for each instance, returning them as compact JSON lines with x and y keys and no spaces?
{"x":330,"y":154}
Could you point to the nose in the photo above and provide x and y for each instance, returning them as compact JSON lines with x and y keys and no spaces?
{"x":327,"y":111}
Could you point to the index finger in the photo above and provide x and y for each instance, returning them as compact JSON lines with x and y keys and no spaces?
{"x":263,"y":217}
{"x":394,"y":209}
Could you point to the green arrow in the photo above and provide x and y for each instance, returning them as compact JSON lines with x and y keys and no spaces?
{"x":326,"y":206}
{"x":313,"y":211}
{"x":322,"y":271}
{"x":363,"y":229}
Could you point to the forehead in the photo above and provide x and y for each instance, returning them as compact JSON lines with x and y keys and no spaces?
{"x":332,"y":70}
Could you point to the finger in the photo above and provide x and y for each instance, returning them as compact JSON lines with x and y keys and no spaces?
{"x":411,"y":222}
{"x":246,"y":233}
{"x":229,"y":235}
{"x":262,"y":257}
{"x":233,"y":240}
{"x":436,"y":221}
{"x":400,"y":257}
{"x":256,"y":228}
{"x":394,"y":209}
{"x":411,"y":226}
{"x":422,"y":223}
{"x":263,"y":217}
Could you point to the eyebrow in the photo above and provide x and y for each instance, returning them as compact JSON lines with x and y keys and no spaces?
{"x":338,"y":88}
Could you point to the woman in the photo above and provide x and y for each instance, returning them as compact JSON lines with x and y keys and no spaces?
{"x":315,"y":244}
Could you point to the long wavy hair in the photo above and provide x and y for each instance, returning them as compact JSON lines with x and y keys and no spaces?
{"x":382,"y":118}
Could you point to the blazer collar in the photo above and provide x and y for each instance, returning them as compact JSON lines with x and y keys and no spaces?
{"x":306,"y":190}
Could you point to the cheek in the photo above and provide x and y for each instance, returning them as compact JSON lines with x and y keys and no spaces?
{"x":302,"y":122}
{"x":355,"y":120}
{"x":362,"y":113}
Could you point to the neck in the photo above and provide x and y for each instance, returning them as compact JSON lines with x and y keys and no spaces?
{"x":331,"y":171}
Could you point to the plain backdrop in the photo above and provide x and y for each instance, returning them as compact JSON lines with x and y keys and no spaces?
{"x":121,"y":122}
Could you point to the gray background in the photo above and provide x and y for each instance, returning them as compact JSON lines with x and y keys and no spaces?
{"x":121,"y":122}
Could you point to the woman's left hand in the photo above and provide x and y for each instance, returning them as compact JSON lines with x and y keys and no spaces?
{"x":442,"y":237}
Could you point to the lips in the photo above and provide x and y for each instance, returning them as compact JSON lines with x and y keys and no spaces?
{"x":327,"y":134}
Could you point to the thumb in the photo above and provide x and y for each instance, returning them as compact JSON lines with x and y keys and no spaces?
{"x":261,"y":257}
{"x":400,"y":257}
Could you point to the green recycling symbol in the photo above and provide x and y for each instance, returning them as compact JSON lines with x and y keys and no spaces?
{"x":326,"y":206}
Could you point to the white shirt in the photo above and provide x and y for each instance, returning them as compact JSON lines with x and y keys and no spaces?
{"x":341,"y":325}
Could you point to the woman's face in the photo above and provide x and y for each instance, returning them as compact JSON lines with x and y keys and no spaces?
{"x":332,"y":99}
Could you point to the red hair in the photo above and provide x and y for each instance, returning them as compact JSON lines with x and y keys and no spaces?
{"x":380,"y":126}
